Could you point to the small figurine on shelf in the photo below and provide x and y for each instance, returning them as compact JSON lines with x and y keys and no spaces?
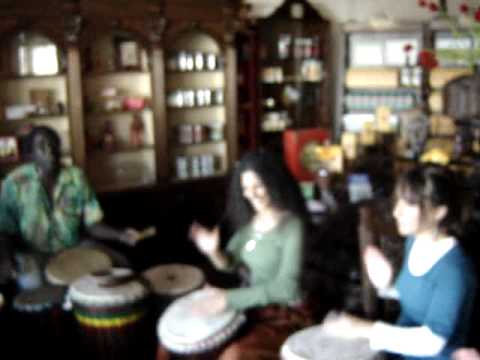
{"x":137,"y":131}
{"x":108,"y":140}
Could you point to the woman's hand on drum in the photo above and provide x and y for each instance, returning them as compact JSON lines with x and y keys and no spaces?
{"x":347,"y":326}
{"x":379,"y":269}
{"x":207,"y":241}
{"x":215,"y":302}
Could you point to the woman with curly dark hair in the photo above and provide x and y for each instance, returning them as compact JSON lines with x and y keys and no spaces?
{"x":267,"y":211}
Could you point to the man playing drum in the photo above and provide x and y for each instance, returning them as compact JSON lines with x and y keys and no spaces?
{"x":46,"y":205}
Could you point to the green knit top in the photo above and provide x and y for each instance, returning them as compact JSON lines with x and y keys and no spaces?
{"x":273,"y":259}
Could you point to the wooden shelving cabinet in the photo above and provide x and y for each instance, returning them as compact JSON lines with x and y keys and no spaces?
{"x":121,"y":74}
{"x":294,"y":71}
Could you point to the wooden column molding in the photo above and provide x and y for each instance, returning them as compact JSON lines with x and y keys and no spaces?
{"x":73,"y":27}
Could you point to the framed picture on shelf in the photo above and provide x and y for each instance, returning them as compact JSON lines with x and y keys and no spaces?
{"x":128,"y":55}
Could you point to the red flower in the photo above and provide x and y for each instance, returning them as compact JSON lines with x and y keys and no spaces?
{"x":464,"y":8}
{"x":422,"y":3}
{"x":427,"y":59}
{"x":477,"y":15}
{"x":407,"y":48}
{"x":433,"y":7}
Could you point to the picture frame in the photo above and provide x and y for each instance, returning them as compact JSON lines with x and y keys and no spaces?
{"x":128,"y":54}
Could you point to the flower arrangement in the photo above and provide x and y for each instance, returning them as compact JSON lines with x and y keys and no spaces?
{"x":467,"y":24}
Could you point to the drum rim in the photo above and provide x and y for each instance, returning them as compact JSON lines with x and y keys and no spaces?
{"x":209,"y":343}
{"x":79,"y":292}
{"x":286,"y":346}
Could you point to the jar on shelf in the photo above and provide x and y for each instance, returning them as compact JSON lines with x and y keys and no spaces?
{"x":185,"y":134}
{"x":181,"y":167}
{"x":195,"y":171}
{"x":199,"y":61}
{"x":182,"y":60}
{"x":198,"y":133}
{"x":284,"y":44}
{"x":218,"y":96}
{"x":216,"y":132}
{"x":189,"y":98}
{"x":211,"y":61}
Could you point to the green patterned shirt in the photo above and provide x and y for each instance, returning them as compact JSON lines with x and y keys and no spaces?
{"x":46,"y":226}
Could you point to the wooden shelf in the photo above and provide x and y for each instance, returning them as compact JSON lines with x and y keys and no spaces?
{"x":217,"y":175}
{"x":95,"y":114}
{"x":184,"y":108}
{"x":52,"y":117}
{"x":92,"y":75}
{"x":202,"y":144}
{"x":193,"y":72}
{"x":121,"y":150}
{"x":124,"y":185}
{"x":31,"y":77}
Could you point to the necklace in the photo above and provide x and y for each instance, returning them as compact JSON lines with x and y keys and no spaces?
{"x":252,"y":243}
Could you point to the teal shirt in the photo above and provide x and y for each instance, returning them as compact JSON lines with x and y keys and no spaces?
{"x":274,"y":265}
{"x":46,"y":226}
{"x":442,"y":299}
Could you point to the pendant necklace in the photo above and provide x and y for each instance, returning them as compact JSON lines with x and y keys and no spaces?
{"x":252,"y":243}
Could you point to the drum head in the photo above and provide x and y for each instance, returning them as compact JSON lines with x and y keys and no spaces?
{"x":39,"y":299}
{"x":71,"y":264}
{"x":174,"y":279}
{"x":183,"y":332}
{"x":314,"y":343}
{"x":97,"y":289}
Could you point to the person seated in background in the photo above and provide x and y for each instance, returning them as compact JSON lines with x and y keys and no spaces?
{"x":267,"y":211}
{"x":44,"y":206}
{"x":436,"y":285}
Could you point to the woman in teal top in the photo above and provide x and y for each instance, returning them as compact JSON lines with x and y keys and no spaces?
{"x":436,"y":285}
{"x":267,"y":210}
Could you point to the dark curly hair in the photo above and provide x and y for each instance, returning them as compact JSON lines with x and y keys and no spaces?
{"x":431,"y":186}
{"x":280,"y":185}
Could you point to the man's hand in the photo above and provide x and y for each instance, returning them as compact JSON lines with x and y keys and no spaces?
{"x":132,"y":236}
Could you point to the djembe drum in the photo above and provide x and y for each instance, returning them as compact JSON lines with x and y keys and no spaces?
{"x":171,"y":281}
{"x":314,"y":343}
{"x":71,"y":264}
{"x":40,"y":319}
{"x":182,"y":332}
{"x":111,"y":308}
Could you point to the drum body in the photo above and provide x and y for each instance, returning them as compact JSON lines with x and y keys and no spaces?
{"x":111,"y":315}
{"x":39,"y":324}
{"x":314,"y":343}
{"x":171,"y":281}
{"x":182,"y":332}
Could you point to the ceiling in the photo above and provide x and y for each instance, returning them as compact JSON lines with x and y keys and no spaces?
{"x":343,"y":11}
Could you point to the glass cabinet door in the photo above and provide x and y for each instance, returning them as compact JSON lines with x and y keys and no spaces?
{"x":118,"y":118}
{"x":32,"y":92}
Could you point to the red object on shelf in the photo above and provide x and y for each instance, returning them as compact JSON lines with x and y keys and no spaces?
{"x":293,"y":142}
{"x":133,"y":103}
